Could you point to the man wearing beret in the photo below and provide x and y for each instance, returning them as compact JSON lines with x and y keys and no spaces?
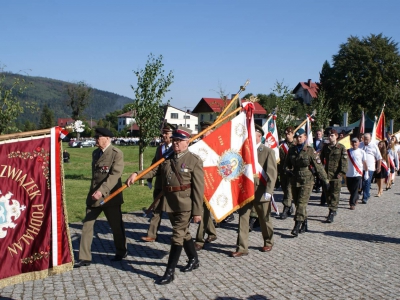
{"x":206,"y":224}
{"x":261,"y":203}
{"x":300,"y":163}
{"x":157,"y":213}
{"x":107,"y":168}
{"x":334,"y":156}
{"x":284,"y":178}
{"x":182,"y":178}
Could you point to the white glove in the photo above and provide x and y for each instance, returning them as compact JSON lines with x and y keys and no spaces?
{"x":149,"y":184}
{"x":366,"y":175}
{"x":267,"y":196}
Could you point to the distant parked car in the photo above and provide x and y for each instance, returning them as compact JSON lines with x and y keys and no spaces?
{"x":87,"y":143}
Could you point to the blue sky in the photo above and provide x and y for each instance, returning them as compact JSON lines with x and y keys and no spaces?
{"x":209,"y":45}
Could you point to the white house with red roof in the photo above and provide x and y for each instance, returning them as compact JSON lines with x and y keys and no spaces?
{"x":306,"y":91}
{"x":125,"y":120}
{"x":208,"y":110}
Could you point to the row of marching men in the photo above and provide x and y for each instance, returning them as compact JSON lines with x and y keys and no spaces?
{"x":180,"y":178}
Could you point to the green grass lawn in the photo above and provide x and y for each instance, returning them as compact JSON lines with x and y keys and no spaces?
{"x":78,"y":172}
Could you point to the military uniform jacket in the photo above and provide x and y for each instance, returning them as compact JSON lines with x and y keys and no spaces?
{"x":282,"y":155}
{"x":301,"y":162}
{"x":190,"y":168}
{"x":106,"y":175}
{"x":267,"y":160}
{"x":335,"y":160}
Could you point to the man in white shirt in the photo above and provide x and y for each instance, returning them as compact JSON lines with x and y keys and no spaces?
{"x":357,"y":163}
{"x":373,"y":162}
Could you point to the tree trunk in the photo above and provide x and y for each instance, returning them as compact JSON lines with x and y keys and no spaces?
{"x":141,"y":151}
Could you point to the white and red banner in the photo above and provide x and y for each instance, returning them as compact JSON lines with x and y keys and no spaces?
{"x":271,"y":135}
{"x":34,"y":234}
{"x":229,"y":161}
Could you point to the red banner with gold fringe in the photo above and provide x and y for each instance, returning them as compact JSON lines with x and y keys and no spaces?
{"x":34,"y":234}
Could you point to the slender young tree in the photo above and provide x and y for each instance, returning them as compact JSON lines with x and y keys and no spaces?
{"x":285,"y":105}
{"x":152,"y":85}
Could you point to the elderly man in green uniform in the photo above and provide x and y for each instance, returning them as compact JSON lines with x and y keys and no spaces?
{"x":261,"y":203}
{"x":183,"y":184}
{"x":107,"y":168}
{"x":155,"y":221}
{"x":206,"y":224}
{"x":284,"y":178}
{"x":334,"y":156}
{"x":300,"y":164}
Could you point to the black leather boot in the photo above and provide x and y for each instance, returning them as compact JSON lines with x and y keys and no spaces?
{"x":191,"y":253}
{"x":285,"y":212}
{"x":304,"y":227}
{"x":296,"y":228}
{"x":169,"y":274}
{"x":330,"y":217}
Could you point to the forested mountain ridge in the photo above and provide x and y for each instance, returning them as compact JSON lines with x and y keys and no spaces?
{"x":43,"y":91}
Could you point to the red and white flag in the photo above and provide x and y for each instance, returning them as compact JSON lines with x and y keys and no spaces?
{"x":380,"y":127}
{"x":229,"y":162}
{"x":362,"y":123}
{"x":271,"y":135}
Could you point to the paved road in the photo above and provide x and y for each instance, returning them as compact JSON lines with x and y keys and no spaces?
{"x":356,"y":257}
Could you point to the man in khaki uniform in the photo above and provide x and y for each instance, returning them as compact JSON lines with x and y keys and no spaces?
{"x":261,"y":202}
{"x":283,"y":177}
{"x":155,"y":221}
{"x":206,"y":224}
{"x":107,"y":168}
{"x":300,"y":164}
{"x":334,"y":156}
{"x":183,"y":184}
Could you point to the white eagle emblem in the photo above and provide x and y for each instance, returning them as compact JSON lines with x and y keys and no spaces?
{"x":8,"y":212}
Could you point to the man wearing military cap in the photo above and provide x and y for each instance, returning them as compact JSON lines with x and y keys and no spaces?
{"x":107,"y":168}
{"x":334,"y":155}
{"x":300,"y":164}
{"x":206,"y":224}
{"x":182,"y":180}
{"x":261,"y":203}
{"x":283,"y":177}
{"x":155,"y":221}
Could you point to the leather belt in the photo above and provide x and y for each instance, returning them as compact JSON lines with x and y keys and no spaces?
{"x":169,"y":188}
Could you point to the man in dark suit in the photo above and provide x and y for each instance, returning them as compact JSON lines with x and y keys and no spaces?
{"x":206,"y":224}
{"x":107,"y":168}
{"x":318,"y":144}
{"x":157,"y":213}
{"x":182,"y":178}
{"x":261,"y":202}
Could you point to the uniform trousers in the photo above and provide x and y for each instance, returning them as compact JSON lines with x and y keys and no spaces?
{"x":263,"y":210}
{"x":353,"y":184}
{"x":333,"y":194}
{"x":180,"y":222}
{"x":206,"y":226}
{"x":301,"y":196}
{"x":114,"y":218}
{"x":155,"y":220}
{"x":287,"y":191}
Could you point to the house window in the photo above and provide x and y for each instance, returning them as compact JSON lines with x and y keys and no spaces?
{"x":188,"y":125}
{"x":211,"y":117}
{"x":196,"y":127}
{"x":186,"y":117}
{"x":123,"y":122}
{"x":201,"y":117}
{"x":174,"y":115}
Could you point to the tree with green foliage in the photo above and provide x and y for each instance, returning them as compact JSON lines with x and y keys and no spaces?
{"x":47,"y":119}
{"x":78,"y":98}
{"x":285,"y":105}
{"x":268,"y":102}
{"x":364,"y":75}
{"x":10,"y":105}
{"x":323,"y":111}
{"x":152,"y":85}
{"x":29,"y":126}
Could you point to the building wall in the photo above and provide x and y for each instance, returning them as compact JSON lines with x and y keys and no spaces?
{"x":176,"y":117}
